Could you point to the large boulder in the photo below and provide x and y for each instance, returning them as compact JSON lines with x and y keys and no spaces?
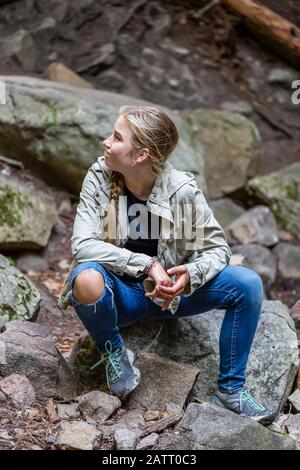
{"x":208,"y":427}
{"x":27,"y":216}
{"x":280,"y":191}
{"x":19,"y":298}
{"x":57,"y":129}
{"x":273,"y":361}
{"x":231,"y":145}
{"x":27,"y":348}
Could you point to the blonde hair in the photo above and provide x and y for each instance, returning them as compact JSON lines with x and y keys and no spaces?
{"x":151,"y":128}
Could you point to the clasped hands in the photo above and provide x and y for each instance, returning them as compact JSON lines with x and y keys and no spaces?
{"x":165,"y":287}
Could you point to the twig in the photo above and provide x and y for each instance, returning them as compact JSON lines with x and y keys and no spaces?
{"x":11,"y":162}
{"x":205,"y":9}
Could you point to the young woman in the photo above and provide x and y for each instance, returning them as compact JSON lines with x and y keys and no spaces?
{"x":131,"y":264}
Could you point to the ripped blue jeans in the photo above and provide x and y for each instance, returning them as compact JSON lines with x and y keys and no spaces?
{"x":123,"y":302}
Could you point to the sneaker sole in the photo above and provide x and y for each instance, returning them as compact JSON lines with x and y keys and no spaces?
{"x":264,"y":420}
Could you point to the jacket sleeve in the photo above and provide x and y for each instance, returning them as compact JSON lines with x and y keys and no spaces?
{"x":86,"y":244}
{"x":212,"y":252}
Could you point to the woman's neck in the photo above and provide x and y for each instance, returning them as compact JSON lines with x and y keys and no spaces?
{"x":140,"y":188}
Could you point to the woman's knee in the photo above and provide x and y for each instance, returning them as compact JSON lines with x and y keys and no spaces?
{"x":251,"y":284}
{"x":88,"y":286}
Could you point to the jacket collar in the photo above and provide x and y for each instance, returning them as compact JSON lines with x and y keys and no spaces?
{"x":167,"y":182}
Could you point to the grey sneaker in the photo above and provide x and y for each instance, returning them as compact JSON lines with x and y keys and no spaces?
{"x":121,"y":377}
{"x":244,"y":404}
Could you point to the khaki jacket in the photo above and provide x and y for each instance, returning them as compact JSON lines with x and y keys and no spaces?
{"x":205,"y":252}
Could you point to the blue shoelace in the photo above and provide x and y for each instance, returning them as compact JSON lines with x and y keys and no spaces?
{"x":245,"y":394}
{"x":111,"y":358}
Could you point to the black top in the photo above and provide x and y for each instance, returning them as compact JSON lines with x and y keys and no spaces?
{"x":140,"y":239}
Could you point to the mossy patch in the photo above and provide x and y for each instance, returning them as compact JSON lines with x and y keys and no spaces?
{"x":11,"y":206}
{"x":51,"y":116}
{"x":292,"y":191}
{"x":283,"y":221}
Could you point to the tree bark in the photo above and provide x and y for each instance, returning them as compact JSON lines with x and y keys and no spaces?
{"x":282,"y":36}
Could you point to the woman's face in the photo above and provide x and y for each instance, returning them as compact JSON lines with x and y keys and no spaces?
{"x":119,"y":153}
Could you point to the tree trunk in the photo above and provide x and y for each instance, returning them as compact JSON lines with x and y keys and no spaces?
{"x":282,"y":36}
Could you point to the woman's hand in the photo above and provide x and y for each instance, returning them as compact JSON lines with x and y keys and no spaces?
{"x":165,"y":288}
{"x":161,"y":278}
{"x":182,"y":279}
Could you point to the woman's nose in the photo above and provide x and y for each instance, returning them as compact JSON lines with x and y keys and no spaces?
{"x":107,"y":142}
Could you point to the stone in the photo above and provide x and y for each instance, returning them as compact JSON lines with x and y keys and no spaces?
{"x":295,"y":314}
{"x":19,"y":298}
{"x":148,"y":442}
{"x":151,"y":415}
{"x":68,"y":411}
{"x":27,"y":216}
{"x":225,"y":210}
{"x":21,"y":47}
{"x":98,"y":405}
{"x":77,"y":435}
{"x":288,"y":256}
{"x":293,"y":426}
{"x":110,"y":79}
{"x":280,"y":191}
{"x":19,"y":389}
{"x":273,"y":362}
{"x":27,"y":348}
{"x":58,"y":72}
{"x":61,"y":130}
{"x":232,"y":136}
{"x":106,"y":58}
{"x":215,"y":428}
{"x":162,"y":381}
{"x":294,"y":399}
{"x":241,"y":107}
{"x":31,"y":262}
{"x":128,"y":430}
{"x":283,"y":76}
{"x":257,"y":225}
{"x":260,"y":259}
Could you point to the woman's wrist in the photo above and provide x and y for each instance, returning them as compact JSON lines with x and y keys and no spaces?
{"x":150,"y":264}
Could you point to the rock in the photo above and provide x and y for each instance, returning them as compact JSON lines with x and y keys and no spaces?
{"x":27,"y":348}
{"x":235,"y":138}
{"x":283,"y":76}
{"x":257,"y":225}
{"x":68,"y":411}
{"x":19,"y":298}
{"x":111,"y":79}
{"x":61,"y":154}
{"x":77,"y":435}
{"x":293,"y":426}
{"x":128,"y":430}
{"x":20,"y":47}
{"x":294,"y":399}
{"x":225,"y":210}
{"x":211,"y":427}
{"x":27,"y":216}
{"x":260,"y":259}
{"x":31,"y":262}
{"x":106,"y":58}
{"x":158,"y":19}
{"x":148,"y":442}
{"x":178,"y":51}
{"x":19,"y":389}
{"x":127,"y":46}
{"x":295,"y":313}
{"x":60,"y":73}
{"x":45,"y":31}
{"x":272,"y":366}
{"x":162,"y":381}
{"x":98,"y":405}
{"x":151,"y":415}
{"x":241,"y":107}
{"x":288,"y":257}
{"x":279,"y":190}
